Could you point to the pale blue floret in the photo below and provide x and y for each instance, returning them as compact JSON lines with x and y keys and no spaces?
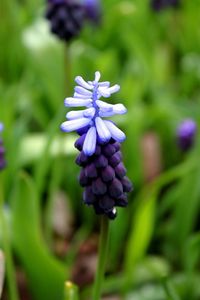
{"x":89,"y":145}
{"x":88,"y":94}
{"x":1,"y":126}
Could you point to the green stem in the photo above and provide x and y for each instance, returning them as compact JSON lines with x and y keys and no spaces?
{"x":67,"y":70}
{"x":71,"y":291}
{"x":103,"y":247}
{"x":10,"y":272}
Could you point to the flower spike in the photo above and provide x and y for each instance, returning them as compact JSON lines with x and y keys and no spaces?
{"x":103,"y":174}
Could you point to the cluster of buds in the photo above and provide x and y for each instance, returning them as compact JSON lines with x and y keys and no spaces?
{"x":103,"y":174}
{"x":68,"y":16}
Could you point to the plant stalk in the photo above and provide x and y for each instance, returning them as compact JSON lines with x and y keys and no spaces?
{"x":103,"y":248}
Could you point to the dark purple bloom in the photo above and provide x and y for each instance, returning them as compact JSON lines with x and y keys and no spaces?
{"x":93,"y":10}
{"x":186,"y":133}
{"x":158,"y":5}
{"x":2,"y":151}
{"x":66,"y":18}
{"x":106,"y":186}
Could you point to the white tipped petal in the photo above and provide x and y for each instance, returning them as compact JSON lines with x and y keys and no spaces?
{"x":83,"y":83}
{"x":104,"y":113}
{"x":104,"y":106}
{"x":104,"y":84}
{"x":72,"y":115}
{"x":114,"y":89}
{"x":119,"y":109}
{"x":89,"y":145}
{"x":103,"y":91}
{"x":102,"y":130}
{"x":106,"y":92}
{"x":97,"y":76}
{"x":76,"y":102}
{"x":80,"y":96}
{"x":82,"y":91}
{"x":74,"y":124}
{"x":116,"y":133}
{"x":89,"y":113}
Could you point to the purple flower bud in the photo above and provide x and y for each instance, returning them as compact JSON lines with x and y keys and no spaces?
{"x":107,"y":174}
{"x":112,"y":214}
{"x":91,"y":171}
{"x":122,"y":201}
{"x":99,"y":187}
{"x":127,"y":185}
{"x":98,"y":209}
{"x":115,"y":159}
{"x":83,"y":130}
{"x":186,"y":133}
{"x":82,"y":159}
{"x":83,"y":179}
{"x":120,"y":170}
{"x":79,"y":142}
{"x":101,"y":161}
{"x":98,"y":150}
{"x":88,"y":196}
{"x":117,"y":146}
{"x":108,"y":150}
{"x":115,"y":188}
{"x":106,"y":203}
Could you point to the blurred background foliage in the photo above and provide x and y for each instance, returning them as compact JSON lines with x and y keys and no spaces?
{"x":155,"y":242}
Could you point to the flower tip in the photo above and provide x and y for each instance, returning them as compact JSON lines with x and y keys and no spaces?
{"x":62,"y":127}
{"x":88,"y":152}
{"x":117,"y":87}
{"x":97,"y":76}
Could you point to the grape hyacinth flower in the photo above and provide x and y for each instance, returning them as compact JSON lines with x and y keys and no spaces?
{"x":92,"y":10}
{"x":186,"y":133}
{"x":103,"y":174}
{"x":158,"y":5}
{"x":2,"y":151}
{"x":66,"y":18}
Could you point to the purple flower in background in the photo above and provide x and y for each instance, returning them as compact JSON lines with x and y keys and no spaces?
{"x":93,"y":10}
{"x":2,"y":150}
{"x":66,"y":18}
{"x":103,"y":174}
{"x":186,"y":133}
{"x":158,"y":5}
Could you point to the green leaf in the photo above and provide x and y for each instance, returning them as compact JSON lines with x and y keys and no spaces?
{"x":45,"y":274}
{"x":141,"y":231}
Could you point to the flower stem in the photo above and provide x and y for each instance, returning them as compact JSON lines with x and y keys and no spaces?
{"x":103,"y":247}
{"x":10,"y":273}
{"x":67,"y":70}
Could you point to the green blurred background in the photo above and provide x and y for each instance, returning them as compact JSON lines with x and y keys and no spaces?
{"x":155,"y":242}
